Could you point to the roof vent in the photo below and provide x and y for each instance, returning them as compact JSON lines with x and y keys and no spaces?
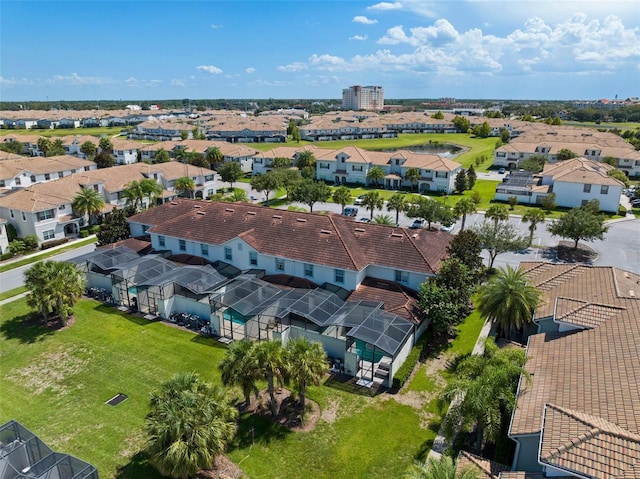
{"x":230,"y":210}
{"x":359,"y":230}
{"x":301,"y":220}
{"x":197,"y":206}
{"x":173,"y":203}
{"x":201,"y":213}
{"x":414,"y":235}
{"x":253,"y":213}
{"x":326,"y":232}
{"x":278,"y":217}
{"x":396,"y":235}
{"x":632,"y":293}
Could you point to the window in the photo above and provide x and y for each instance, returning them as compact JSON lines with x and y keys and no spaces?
{"x":402,"y":276}
{"x":33,"y":178}
{"x":1,"y":183}
{"x":182,"y":245}
{"x":60,"y":174}
{"x":308,"y":270}
{"x":356,"y":168}
{"x":24,"y":216}
{"x":279,"y":264}
{"x":338,"y":275}
{"x":208,"y":178}
{"x":48,"y":234}
{"x":228,"y":255}
{"x":604,"y":190}
{"x":441,"y":174}
{"x":45,"y":215}
{"x":18,"y":181}
{"x":253,"y":258}
{"x":47,"y":176}
{"x":161,"y":241}
{"x":61,"y":208}
{"x":204,"y":249}
{"x":586,"y":189}
{"x":239,"y":246}
{"x":11,"y":213}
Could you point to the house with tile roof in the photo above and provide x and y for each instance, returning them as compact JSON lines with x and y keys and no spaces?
{"x":263,"y":160}
{"x":20,"y":171}
{"x":577,"y":415}
{"x":574,"y":182}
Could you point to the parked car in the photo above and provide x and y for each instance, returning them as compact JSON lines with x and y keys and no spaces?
{"x":358,"y":200}
{"x":364,"y":219}
{"x":417,"y":224}
{"x":502,"y":171}
{"x":635,"y":203}
{"x":350,"y":211}
{"x":446,"y":228}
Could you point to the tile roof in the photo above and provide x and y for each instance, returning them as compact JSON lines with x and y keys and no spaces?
{"x":586,"y":444}
{"x":396,"y":298}
{"x":485,"y":468}
{"x":594,"y":372}
{"x":520,"y":475}
{"x":581,"y":170}
{"x":13,"y":166}
{"x":332,"y":240}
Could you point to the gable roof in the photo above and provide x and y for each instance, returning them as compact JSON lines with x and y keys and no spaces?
{"x":581,"y":170}
{"x":15,"y":165}
{"x":332,"y":240}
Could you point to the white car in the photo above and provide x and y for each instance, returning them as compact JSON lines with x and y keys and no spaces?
{"x":446,"y":228}
{"x":358,"y":200}
{"x":417,"y":224}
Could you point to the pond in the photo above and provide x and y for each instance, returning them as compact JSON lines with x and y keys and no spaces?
{"x":442,"y":149}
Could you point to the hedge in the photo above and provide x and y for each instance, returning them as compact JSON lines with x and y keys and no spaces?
{"x":409,"y":364}
{"x":52,"y":243}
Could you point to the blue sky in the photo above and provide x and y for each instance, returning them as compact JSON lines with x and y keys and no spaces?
{"x":148,"y":50}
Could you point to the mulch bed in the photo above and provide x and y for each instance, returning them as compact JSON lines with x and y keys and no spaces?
{"x":566,"y":252}
{"x":289,"y":410}
{"x":52,"y":323}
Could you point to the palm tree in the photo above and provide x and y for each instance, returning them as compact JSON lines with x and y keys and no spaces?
{"x":443,"y":468}
{"x":508,"y":300}
{"x":189,"y":424}
{"x":88,"y":202}
{"x":383,"y":220}
{"x":151,"y":189}
{"x":412,"y":175}
{"x":184,"y":186}
{"x":239,"y":368}
{"x":272,"y":367}
{"x":55,"y":286}
{"x":88,"y":149}
{"x":533,"y":216}
{"x":213,"y":156}
{"x":44,"y":145}
{"x":105,"y":144}
{"x":483,"y":392}
{"x":375,"y":174}
{"x":463,"y":208}
{"x":371,"y":201}
{"x":308,"y":365}
{"x":342,"y":196}
{"x":306,"y":159}
{"x":397,"y":203}
{"x":133,"y":194}
{"x":237,"y":196}
{"x":497,"y":213}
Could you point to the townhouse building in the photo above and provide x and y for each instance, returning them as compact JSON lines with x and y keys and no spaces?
{"x":263,"y":160}
{"x":20,"y":172}
{"x":244,"y":129}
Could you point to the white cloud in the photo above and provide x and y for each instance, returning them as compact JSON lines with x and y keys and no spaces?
{"x":364,"y":20}
{"x":261,"y":82}
{"x":383,"y":6}
{"x":209,"y":69}
{"x":177,"y":82}
{"x":75,"y":79}
{"x":9,"y":82}
{"x":292,"y":67}
{"x":327,"y":62}
{"x":215,"y":26}
{"x":359,"y":37}
{"x":140,"y":83}
{"x":250,"y":70}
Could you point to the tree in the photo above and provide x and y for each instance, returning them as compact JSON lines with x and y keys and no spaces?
{"x":483,"y":392}
{"x":44,"y":145}
{"x":513,"y":202}
{"x":196,"y":159}
{"x":237,"y":196}
{"x":342,"y":196}
{"x":460,"y":183}
{"x":272,"y":367}
{"x":620,"y":176}
{"x":104,"y":159}
{"x":383,"y":220}
{"x":565,"y":154}
{"x":12,"y":146}
{"x":426,"y":209}
{"x":88,"y":149}
{"x":463,"y":208}
{"x":88,"y":202}
{"x":281,"y":162}
{"x":508,"y":300}
{"x":184,"y":186}
{"x":372,"y":201}
{"x":311,"y":192}
{"x":57,"y":148}
{"x":549,"y":202}
{"x":438,"y":115}
{"x":239,"y":368}
{"x":230,"y":172}
{"x":375,"y":174}
{"x":55,"y":286}
{"x":189,"y":424}
{"x":295,"y":134}
{"x":266,"y":183}
{"x":579,"y":224}
{"x":133,"y":194}
{"x":498,"y":238}
{"x":462,"y":123}
{"x":161,"y":156}
{"x":412,"y":175}
{"x":308,"y":365}
{"x":505,"y":135}
{"x":306,"y":159}
{"x":397,"y":203}
{"x":213,"y":157}
{"x":114,"y":228}
{"x":534,"y":163}
{"x":497,"y":213}
{"x":151,"y":189}
{"x":105,"y":144}
{"x":471,"y":177}
{"x":289,"y":179}
{"x":466,"y":247}
{"x":482,"y":131}
{"x":443,"y":468}
{"x":534,"y":216}
{"x":184,"y":134}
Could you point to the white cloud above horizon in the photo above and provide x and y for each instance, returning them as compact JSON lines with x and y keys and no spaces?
{"x":364,"y":20}
{"x":209,"y":69}
{"x":360,"y":38}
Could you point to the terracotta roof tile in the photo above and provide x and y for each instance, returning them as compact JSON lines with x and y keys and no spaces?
{"x":485,"y":468}
{"x":396,"y":298}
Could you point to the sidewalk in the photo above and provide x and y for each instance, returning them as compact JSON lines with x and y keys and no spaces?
{"x":41,"y":252}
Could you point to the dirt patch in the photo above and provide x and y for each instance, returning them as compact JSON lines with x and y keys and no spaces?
{"x":289,"y":411}
{"x":224,"y":468}
{"x":50,"y":370}
{"x":331,"y":414}
{"x":52,"y":323}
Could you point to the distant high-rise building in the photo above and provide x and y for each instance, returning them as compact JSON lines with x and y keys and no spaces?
{"x":363,"y":98}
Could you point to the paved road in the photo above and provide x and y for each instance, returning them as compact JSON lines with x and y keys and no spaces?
{"x":14,"y":278}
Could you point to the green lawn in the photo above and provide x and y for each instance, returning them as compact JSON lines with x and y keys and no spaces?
{"x":46,"y":254}
{"x":56,"y":384}
{"x":98,"y":131}
{"x":13,"y":292}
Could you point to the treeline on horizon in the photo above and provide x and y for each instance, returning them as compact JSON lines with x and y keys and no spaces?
{"x":539,"y":109}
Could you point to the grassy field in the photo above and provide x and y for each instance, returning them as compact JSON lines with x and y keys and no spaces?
{"x":56,"y":384}
{"x":98,"y":131}
{"x":13,"y":292}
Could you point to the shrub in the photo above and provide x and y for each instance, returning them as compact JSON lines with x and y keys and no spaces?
{"x":17,"y":247}
{"x":52,"y":243}
{"x":30,"y":242}
{"x":513,"y":201}
{"x":622,"y":211}
{"x":94,"y":229}
{"x":83,"y":233}
{"x":409,"y":364}
{"x":5,"y":256}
